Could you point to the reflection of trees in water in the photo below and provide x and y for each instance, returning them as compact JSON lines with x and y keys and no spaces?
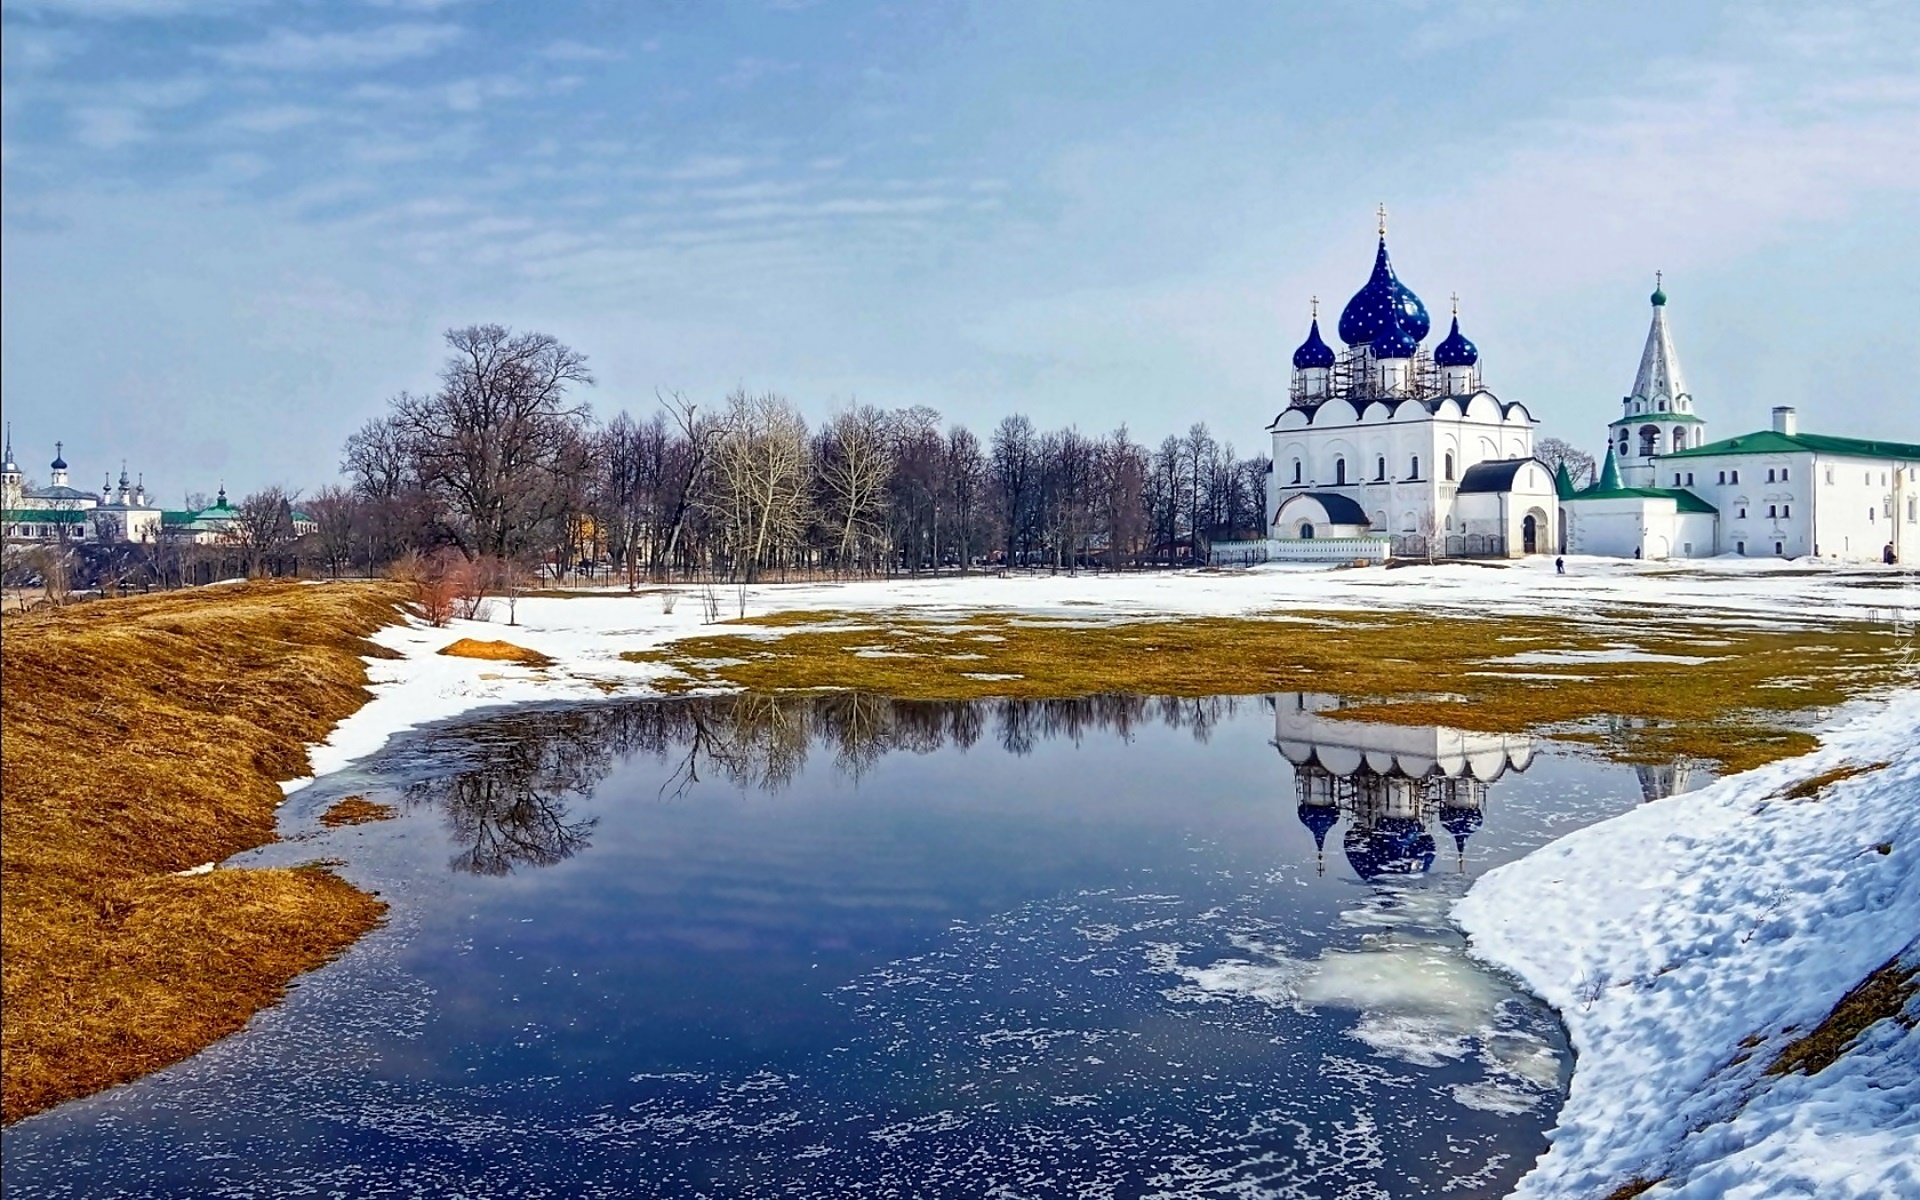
{"x":512,"y":777}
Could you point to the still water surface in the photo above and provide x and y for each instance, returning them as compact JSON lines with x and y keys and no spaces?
{"x":731,"y":947}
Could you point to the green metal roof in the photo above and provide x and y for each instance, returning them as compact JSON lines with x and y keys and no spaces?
{"x":1654,"y":418}
{"x":47,"y":516}
{"x":1683,"y":500}
{"x":1768,"y":442}
{"x":1563,"y":481}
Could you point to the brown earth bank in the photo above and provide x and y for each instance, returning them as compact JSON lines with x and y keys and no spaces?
{"x":140,"y":738}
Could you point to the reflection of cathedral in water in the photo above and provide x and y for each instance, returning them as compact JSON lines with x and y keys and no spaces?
{"x":1394,"y":784}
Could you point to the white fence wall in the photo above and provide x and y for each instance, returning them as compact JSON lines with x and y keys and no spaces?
{"x":1373,"y":549}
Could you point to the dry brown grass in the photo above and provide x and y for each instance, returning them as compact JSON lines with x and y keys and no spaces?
{"x":495,"y":652}
{"x":1812,"y":786}
{"x":355,"y":810}
{"x":1410,"y":668}
{"x":1881,"y":996}
{"x":144,"y":737}
{"x":1634,"y":1187}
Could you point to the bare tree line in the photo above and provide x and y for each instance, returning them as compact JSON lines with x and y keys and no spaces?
{"x":503,"y":461}
{"x":503,"y":465}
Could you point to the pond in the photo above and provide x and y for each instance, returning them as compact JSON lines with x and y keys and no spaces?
{"x":736,"y":946}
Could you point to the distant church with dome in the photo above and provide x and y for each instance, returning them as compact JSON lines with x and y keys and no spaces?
{"x":1388,"y":449}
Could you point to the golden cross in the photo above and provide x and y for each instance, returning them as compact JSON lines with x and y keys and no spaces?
{"x":1316,"y":307}
{"x":1456,"y":303}
{"x":1383,"y":218}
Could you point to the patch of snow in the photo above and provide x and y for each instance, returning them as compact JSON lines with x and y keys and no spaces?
{"x":1670,"y":935}
{"x":1619,"y":654}
{"x":205,"y":868}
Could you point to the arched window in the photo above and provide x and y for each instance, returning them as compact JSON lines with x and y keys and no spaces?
{"x":1679,"y":439}
{"x":1449,"y":464}
{"x":1382,"y":472}
{"x":1413,"y":472}
{"x":1649,"y":441}
{"x":1296,"y":470}
{"x":1306,"y":531}
{"x":1339,"y":472}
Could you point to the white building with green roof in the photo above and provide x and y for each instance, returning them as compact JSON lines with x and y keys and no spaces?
{"x":1789,"y":494}
{"x":1666,"y":492}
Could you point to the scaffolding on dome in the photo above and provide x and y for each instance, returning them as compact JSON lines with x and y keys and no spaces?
{"x":1353,"y":377}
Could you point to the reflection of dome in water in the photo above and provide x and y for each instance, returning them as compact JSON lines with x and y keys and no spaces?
{"x":1461,"y":822}
{"x":1319,"y":818}
{"x":1394,"y":846}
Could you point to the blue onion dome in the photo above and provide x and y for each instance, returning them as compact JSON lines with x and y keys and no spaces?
{"x":1394,"y":340}
{"x":1365,"y":316}
{"x":1454,"y":350}
{"x":1313,"y":352}
{"x":59,"y":462}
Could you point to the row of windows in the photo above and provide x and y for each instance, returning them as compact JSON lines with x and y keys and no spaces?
{"x":76,"y":532}
{"x":1379,"y":466}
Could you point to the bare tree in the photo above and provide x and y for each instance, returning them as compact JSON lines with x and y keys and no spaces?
{"x":490,"y":438}
{"x":262,"y":527}
{"x":1554,"y":452}
{"x":336,"y":516}
{"x":856,"y":462}
{"x":761,"y":467}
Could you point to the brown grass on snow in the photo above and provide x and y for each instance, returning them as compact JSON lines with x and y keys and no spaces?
{"x":144,"y":737}
{"x":1411,"y":668}
{"x":1881,"y":996}
{"x":495,"y":652}
{"x":355,"y":810}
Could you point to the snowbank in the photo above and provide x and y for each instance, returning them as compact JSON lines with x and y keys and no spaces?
{"x":1683,"y":940}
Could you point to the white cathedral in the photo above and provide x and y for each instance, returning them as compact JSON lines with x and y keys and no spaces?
{"x":1387,"y":449}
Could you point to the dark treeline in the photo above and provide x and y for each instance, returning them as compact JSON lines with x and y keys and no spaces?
{"x":504,"y":461}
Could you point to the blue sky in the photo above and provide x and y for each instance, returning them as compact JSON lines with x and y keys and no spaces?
{"x":232,"y":229}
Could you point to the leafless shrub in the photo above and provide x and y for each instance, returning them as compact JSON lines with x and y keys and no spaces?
{"x":668,"y":598}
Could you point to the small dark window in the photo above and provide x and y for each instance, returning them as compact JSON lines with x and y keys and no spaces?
{"x":1739,"y":547}
{"x":1779,"y":548}
{"x":1382,"y":468}
{"x":1296,"y":470}
{"x":1723,"y":477}
{"x":1771,"y":511}
{"x":1769,"y":474}
{"x":1689,"y":478}
{"x":1414,"y":471}
{"x":1783,"y":474}
{"x":1449,"y":466}
{"x":1743,"y":512}
{"x":1735,"y":477}
{"x":1339,"y":472}
{"x":1786,"y":510}
{"x":1676,"y":479}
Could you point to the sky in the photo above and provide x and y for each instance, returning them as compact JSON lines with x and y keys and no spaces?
{"x":231,"y":229}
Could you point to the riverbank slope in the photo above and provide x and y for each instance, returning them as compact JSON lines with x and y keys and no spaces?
{"x":145,"y":738}
{"x":1737,"y":969}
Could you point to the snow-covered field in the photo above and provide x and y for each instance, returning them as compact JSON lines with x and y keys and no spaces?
{"x":1665,"y":937}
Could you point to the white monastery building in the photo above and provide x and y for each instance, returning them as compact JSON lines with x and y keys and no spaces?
{"x":1385,"y":448}
{"x":61,"y":512}
{"x":1665,"y":491}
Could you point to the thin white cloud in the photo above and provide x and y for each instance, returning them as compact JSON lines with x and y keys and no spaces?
{"x":110,"y":9}
{"x":275,"y":119}
{"x":290,"y":50}
{"x":708,"y":166}
{"x":109,"y":128}
{"x":567,"y":50}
